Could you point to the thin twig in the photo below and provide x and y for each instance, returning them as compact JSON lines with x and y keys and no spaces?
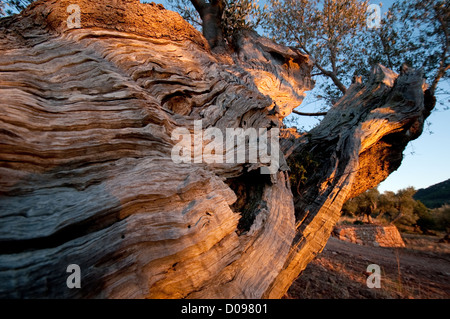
{"x":309,"y":114}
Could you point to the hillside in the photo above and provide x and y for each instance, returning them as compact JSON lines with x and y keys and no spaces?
{"x":434,"y":196}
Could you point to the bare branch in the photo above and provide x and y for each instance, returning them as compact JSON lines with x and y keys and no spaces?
{"x":309,"y":114}
{"x":333,"y":78}
{"x":331,"y":75}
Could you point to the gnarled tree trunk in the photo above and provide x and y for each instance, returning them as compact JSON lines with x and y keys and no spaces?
{"x":86,"y":169}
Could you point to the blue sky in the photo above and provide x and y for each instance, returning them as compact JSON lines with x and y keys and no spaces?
{"x":426,"y":160}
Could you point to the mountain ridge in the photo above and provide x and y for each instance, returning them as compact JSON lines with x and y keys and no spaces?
{"x":435,"y":195}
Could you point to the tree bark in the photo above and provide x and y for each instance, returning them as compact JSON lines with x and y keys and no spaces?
{"x":86,"y":169}
{"x":211,"y":15}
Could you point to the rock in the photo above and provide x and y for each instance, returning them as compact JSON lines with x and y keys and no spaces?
{"x":370,"y":234}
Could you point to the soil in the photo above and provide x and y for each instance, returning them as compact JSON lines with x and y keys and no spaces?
{"x":419,"y":271}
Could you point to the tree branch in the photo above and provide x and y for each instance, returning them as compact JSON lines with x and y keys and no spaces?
{"x":333,"y":78}
{"x":386,"y":50}
{"x":442,"y":67}
{"x":309,"y":114}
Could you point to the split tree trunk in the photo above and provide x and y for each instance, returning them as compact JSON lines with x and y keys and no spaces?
{"x":87,"y":178}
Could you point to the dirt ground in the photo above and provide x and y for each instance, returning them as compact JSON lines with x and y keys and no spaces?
{"x":419,"y":271}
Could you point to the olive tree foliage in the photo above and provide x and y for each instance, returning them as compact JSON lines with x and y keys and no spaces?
{"x":416,"y":32}
{"x":363,"y":205}
{"x":328,"y":31}
{"x":441,"y":220}
{"x":406,"y":207}
{"x":398,"y":208}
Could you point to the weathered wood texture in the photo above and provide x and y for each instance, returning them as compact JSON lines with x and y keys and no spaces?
{"x":86,"y":175}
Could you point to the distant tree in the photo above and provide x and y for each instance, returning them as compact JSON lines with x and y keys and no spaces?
{"x":335,"y":35}
{"x":387,"y":205}
{"x":398,"y":208}
{"x":406,"y":207}
{"x":350,"y":208}
{"x":363,"y":206}
{"x":369,"y":203}
{"x":426,"y":220}
{"x":442,"y":218}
